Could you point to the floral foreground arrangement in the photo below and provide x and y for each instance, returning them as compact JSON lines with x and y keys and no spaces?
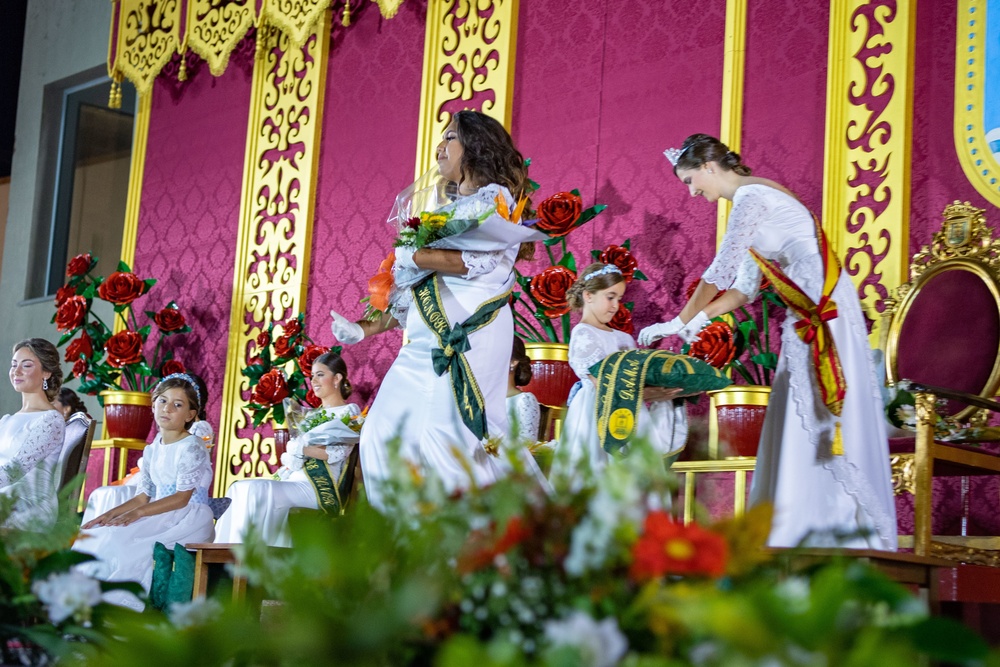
{"x":269,"y":384}
{"x":102,"y":360}
{"x":598,"y":575}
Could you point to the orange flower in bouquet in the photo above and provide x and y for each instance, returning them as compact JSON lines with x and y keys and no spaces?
{"x":667,"y":547}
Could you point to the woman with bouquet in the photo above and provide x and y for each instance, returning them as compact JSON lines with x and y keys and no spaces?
{"x":823,"y":460}
{"x":317,"y":467}
{"x":444,"y":395}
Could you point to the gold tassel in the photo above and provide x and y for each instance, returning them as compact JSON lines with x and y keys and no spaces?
{"x":346,"y":20}
{"x":182,"y":74}
{"x":115,"y":96}
{"x":838,"y":441}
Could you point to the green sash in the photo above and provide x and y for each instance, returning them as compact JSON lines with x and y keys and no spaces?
{"x":332,"y":495}
{"x":620,"y":380}
{"x":454,"y":342}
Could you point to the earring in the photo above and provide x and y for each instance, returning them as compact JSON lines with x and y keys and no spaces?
{"x":45,"y":384}
{"x":513,"y":366}
{"x":711,"y":171}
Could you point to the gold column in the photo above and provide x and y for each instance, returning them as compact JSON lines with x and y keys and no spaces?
{"x":276,"y":215}
{"x":136,"y":170}
{"x":733,"y":68}
{"x":866,"y":172}
{"x":469,"y":48}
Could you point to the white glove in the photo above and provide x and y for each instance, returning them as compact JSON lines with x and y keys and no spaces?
{"x":404,"y":258}
{"x":655,"y":332}
{"x":694,"y":327}
{"x":344,"y":330}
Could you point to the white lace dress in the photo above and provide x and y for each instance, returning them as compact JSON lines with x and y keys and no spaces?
{"x":125,"y":553}
{"x":663,"y":423}
{"x":265,"y":503}
{"x":814,"y":493}
{"x":30,"y":445}
{"x":104,"y":498}
{"x":417,"y":406}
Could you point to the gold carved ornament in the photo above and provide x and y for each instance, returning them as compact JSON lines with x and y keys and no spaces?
{"x":866,"y":200}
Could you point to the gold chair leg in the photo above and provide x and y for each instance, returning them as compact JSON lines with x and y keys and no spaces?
{"x":923,"y":473}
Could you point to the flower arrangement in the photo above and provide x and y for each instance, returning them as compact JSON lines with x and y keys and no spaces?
{"x":269,"y":384}
{"x":740,"y":341}
{"x":541,"y":312}
{"x":103,"y":360}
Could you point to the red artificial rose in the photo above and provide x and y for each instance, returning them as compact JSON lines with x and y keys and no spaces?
{"x":412,"y":223}
{"x":549,"y":289}
{"x":271,"y":388}
{"x":71,"y":313}
{"x":716,"y":344}
{"x":124,"y":348}
{"x":169,"y":319}
{"x":263,"y":340}
{"x":121,"y":288}
{"x":79,"y":348}
{"x":282,"y":347}
{"x":80,"y":368}
{"x":558,"y":214}
{"x":79,"y":265}
{"x":622,"y":321}
{"x":313,"y":400}
{"x":622,"y":258}
{"x":667,"y":547}
{"x":64,"y":293}
{"x":291,"y":328}
{"x":171,"y":366}
{"x":309,"y":357}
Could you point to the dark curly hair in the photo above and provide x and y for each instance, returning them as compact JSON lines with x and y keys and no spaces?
{"x":69,"y":398}
{"x":49,"y":358}
{"x":521,"y":363}
{"x":488,"y":153}
{"x":699,"y":149}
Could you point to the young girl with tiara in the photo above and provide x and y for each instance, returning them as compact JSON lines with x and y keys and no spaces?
{"x":597,"y":294}
{"x":172,"y":503}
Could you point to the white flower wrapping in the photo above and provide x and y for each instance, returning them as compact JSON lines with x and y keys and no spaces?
{"x":329,"y":434}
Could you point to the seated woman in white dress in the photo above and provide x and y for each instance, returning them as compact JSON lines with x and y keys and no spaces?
{"x":31,"y":439}
{"x":598,"y":293}
{"x":523,"y":413}
{"x":105,"y":498}
{"x":172,"y":503}
{"x":317,"y":475}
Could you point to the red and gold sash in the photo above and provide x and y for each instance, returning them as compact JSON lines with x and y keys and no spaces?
{"x":813,"y":322}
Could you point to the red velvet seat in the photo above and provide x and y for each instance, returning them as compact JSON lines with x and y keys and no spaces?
{"x":943,"y":337}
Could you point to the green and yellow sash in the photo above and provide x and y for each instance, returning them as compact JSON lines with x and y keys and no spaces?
{"x":454,"y":342}
{"x":813,"y":324}
{"x":332,"y":495}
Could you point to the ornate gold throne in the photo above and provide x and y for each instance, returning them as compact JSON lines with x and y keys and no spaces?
{"x":942,"y":342}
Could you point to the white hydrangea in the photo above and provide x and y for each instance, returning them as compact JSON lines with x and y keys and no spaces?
{"x":616,"y":506}
{"x":68,"y":594}
{"x":601,"y":644}
{"x":196,"y":612}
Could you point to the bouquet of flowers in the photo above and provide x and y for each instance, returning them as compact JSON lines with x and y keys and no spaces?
{"x":269,"y":384}
{"x":103,"y":360}
{"x":317,"y":428}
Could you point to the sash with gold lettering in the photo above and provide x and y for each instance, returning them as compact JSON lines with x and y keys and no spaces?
{"x":454,"y":342}
{"x":813,"y":320}
{"x":620,"y":380}
{"x":331,"y":494}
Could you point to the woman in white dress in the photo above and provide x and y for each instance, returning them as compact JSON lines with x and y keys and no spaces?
{"x":598,"y":293}
{"x":821,"y":490}
{"x":31,"y":439}
{"x":264,"y":503}
{"x":522,"y":406}
{"x":415,"y":406}
{"x":171,"y":506}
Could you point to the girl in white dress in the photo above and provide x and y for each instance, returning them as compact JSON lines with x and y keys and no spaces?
{"x":265,"y":503}
{"x":819,"y":492}
{"x":414,"y":403}
{"x":31,"y":439}
{"x":598,"y":293}
{"x":171,"y":506}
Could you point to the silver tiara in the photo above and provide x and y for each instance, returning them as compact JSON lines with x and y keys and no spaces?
{"x":187,"y":378}
{"x":674,"y":154}
{"x":608,"y":268}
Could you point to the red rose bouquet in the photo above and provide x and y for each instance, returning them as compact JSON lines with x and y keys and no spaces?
{"x":270,"y":381}
{"x":101,"y":358}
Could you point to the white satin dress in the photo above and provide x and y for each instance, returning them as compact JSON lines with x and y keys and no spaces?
{"x":265,"y":503}
{"x":417,"y":406}
{"x":30,"y":446}
{"x":662,"y":423}
{"x":815,"y":494}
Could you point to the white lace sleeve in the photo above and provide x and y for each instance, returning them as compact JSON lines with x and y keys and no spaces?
{"x":191,"y":465}
{"x":585,"y":350}
{"x":480,"y":262}
{"x":43,"y":439}
{"x":203,"y":431}
{"x":146,"y":482}
{"x":749,"y":211}
{"x":528,"y":415}
{"x":748,"y":278}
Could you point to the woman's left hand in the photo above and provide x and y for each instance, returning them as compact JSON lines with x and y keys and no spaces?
{"x":653,"y":394}
{"x":124,"y":519}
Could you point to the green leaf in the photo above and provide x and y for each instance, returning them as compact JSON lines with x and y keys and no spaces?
{"x":533,"y":185}
{"x":568,"y":261}
{"x":772,"y":297}
{"x":143,"y":369}
{"x":527,"y":162}
{"x":552,"y":240}
{"x":575,"y":192}
{"x":123,"y":267}
{"x":147,"y":284}
{"x":595,"y":255}
{"x":254,"y":373}
{"x":768,"y":360}
{"x":627,"y":244}
{"x":65,"y":338}
{"x":144,"y":332}
{"x":639,"y":275}
{"x":278,"y":412}
{"x":589,"y":214}
{"x":91,"y":291}
{"x":259,"y":416}
{"x":747,"y":328}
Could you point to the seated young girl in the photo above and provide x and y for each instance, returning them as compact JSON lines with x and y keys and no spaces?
{"x":315,"y":473}
{"x":598,"y":294}
{"x":171,"y":505}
